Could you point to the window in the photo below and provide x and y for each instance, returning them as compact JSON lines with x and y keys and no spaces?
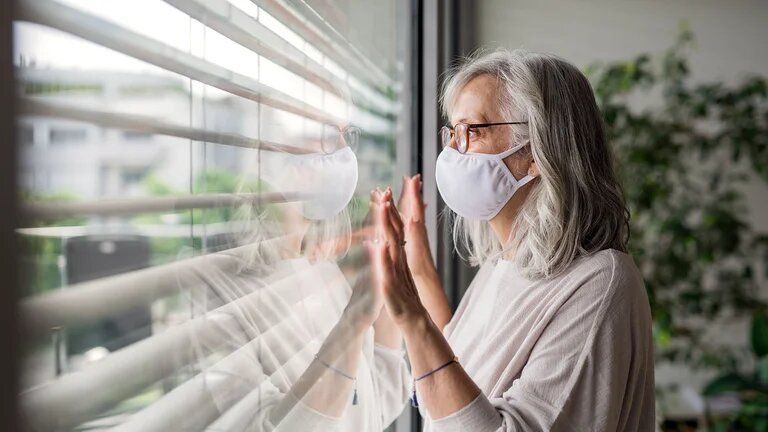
{"x":66,"y":136}
{"x":136,"y":136}
{"x":187,"y":260}
{"x":26,"y":135}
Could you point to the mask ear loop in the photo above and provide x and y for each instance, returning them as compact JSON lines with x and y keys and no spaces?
{"x":527,"y":178}
{"x":513,"y":150}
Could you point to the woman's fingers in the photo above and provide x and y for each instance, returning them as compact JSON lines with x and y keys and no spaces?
{"x":401,"y":202}
{"x":394,"y":215}
{"x":408,"y":203}
{"x":388,"y":224}
{"x":418,"y":202}
{"x":390,"y":236}
{"x":378,"y":218}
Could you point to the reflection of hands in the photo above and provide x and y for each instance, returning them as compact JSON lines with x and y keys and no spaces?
{"x":411,"y":206}
{"x":367,"y":300}
{"x":389,"y":261}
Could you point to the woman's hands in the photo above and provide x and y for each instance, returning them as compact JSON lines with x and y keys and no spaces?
{"x":365,"y":304}
{"x":411,"y":206}
{"x":420,"y":315}
{"x":389,"y":261}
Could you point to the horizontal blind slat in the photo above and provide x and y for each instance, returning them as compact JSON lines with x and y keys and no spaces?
{"x":97,"y":299}
{"x":128,"y":371}
{"x":128,"y":206}
{"x":234,"y":377}
{"x":145,"y":124}
{"x":113,"y":36}
{"x":342,"y":53}
{"x":245,"y":30}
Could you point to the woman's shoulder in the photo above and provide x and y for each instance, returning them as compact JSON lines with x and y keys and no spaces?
{"x":608,"y":275}
{"x":615,"y":263}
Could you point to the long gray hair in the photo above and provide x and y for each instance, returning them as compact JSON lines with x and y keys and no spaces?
{"x":577,"y":207}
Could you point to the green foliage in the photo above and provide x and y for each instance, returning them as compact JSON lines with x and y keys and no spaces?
{"x":39,"y":255}
{"x":211,"y":181}
{"x":760,"y":334}
{"x":682,"y":162}
{"x":155,"y":187}
{"x":751,"y":388}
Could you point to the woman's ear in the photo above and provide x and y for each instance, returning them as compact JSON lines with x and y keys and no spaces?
{"x":533,"y":170}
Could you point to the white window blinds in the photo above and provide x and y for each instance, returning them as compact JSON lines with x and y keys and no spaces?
{"x":194,"y":241}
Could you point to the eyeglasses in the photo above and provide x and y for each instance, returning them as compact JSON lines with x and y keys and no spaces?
{"x":335,"y":138}
{"x":460,"y":133}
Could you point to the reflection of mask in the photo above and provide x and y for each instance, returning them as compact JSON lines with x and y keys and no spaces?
{"x":329,"y":180}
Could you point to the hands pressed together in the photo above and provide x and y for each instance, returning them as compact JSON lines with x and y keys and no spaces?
{"x":390,"y":273}
{"x":397,"y":246}
{"x":403,"y":281}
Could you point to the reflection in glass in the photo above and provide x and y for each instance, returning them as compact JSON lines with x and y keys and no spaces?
{"x":183,"y":273}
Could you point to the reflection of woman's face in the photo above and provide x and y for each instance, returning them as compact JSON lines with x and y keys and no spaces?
{"x":326,"y":176}
{"x":478,"y":102}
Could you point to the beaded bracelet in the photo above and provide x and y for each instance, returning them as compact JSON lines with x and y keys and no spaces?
{"x":342,"y":373}
{"x":414,"y":400}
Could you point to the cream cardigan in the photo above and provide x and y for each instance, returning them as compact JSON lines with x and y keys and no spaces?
{"x":574,"y":353}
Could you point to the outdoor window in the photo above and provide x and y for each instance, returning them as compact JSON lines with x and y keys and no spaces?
{"x":178,"y":193}
{"x":64,"y":136}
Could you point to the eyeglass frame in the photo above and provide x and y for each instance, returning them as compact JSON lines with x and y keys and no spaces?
{"x":469,"y":126}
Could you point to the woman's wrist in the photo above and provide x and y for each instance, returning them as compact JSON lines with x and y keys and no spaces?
{"x":415,"y":323}
{"x":417,"y":249}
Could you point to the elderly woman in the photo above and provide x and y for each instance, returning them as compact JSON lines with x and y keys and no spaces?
{"x":554,"y":332}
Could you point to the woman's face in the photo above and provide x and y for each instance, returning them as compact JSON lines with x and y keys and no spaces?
{"x":478,"y":102}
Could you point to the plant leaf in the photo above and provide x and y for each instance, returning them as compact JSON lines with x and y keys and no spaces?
{"x":760,"y":333}
{"x":727,"y":383}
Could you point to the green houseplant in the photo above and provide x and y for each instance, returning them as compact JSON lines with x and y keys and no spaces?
{"x":751,"y":386}
{"x":684,"y":159}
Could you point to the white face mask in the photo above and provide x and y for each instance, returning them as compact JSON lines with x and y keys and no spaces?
{"x":329,"y":180}
{"x":476,"y":185}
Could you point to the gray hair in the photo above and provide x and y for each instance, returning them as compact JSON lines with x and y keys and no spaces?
{"x":577,"y":207}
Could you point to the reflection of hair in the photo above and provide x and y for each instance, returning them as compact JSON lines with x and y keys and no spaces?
{"x":578,"y":206}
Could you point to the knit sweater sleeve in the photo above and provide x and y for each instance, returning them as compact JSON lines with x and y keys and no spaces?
{"x":582,"y":369}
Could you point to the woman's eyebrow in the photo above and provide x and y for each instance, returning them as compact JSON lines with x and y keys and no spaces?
{"x":480,"y":119}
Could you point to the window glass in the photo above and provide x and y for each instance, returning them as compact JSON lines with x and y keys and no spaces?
{"x":193,"y":206}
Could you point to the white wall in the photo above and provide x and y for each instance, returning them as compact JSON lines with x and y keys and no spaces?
{"x":732,"y":35}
